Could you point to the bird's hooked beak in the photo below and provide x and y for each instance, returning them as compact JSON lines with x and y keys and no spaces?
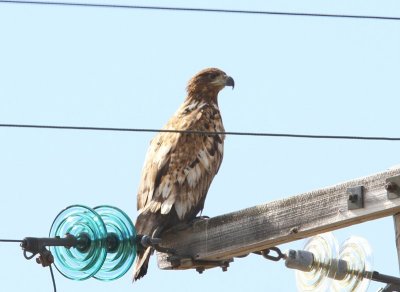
{"x":230,"y":82}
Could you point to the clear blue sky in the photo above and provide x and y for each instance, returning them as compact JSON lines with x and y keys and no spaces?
{"x":128,"y":68}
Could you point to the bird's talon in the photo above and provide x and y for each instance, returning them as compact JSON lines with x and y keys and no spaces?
{"x":203,"y":217}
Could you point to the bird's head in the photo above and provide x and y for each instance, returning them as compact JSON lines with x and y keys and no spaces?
{"x":208,"y":82}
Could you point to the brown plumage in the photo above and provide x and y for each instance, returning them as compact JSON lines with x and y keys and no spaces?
{"x":179,"y":168}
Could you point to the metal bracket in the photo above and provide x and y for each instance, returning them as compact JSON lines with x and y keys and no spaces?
{"x":180,"y":263}
{"x":355,"y":197}
{"x":392,"y":187}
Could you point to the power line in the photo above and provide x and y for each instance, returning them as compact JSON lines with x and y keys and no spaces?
{"x":281,"y":135}
{"x":31,"y":256}
{"x":11,"y":240}
{"x":187,"y":9}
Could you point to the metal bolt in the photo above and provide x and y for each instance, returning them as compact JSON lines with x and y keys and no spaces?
{"x":391,"y":187}
{"x":200,"y":270}
{"x":225,"y":266}
{"x":175,"y":263}
{"x":293,"y":230}
{"x":353,"y":198}
{"x":50,"y":258}
{"x":292,"y":254}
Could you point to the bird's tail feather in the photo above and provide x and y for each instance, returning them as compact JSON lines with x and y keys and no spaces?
{"x":142,"y":263}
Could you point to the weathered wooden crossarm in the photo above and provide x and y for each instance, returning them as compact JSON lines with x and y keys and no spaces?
{"x":257,"y":228}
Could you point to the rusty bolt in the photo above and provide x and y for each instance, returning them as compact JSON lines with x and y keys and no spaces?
{"x":391,"y":187}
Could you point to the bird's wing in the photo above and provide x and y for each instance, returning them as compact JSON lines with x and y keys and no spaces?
{"x":179,"y":168}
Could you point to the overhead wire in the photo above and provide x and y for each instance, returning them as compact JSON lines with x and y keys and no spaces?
{"x":259,"y":134}
{"x":53,"y":280}
{"x":283,"y":135}
{"x":11,"y":240}
{"x":190,"y":9}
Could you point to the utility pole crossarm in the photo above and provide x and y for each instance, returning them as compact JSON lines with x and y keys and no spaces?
{"x":263,"y":226}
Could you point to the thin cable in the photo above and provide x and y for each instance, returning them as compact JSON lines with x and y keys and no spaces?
{"x":10,"y":240}
{"x":198,"y":9}
{"x":52,"y":279}
{"x":51,"y":269}
{"x":342,"y":137}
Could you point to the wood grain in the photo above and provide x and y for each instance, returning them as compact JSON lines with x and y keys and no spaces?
{"x":257,"y":228}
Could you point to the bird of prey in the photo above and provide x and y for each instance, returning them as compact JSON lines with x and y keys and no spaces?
{"x":179,"y":167}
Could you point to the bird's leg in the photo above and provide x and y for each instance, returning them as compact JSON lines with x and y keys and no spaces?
{"x":157,"y":231}
{"x":155,"y":238}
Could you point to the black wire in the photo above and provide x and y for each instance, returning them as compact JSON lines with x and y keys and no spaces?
{"x":204,"y":132}
{"x":51,"y":270}
{"x":52,"y":279}
{"x":198,"y":9}
{"x":10,"y":240}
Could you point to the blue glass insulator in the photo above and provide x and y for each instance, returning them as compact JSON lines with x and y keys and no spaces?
{"x":121,"y":245}
{"x":87,"y":257}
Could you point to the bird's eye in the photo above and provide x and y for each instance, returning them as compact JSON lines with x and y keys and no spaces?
{"x":213,"y":75}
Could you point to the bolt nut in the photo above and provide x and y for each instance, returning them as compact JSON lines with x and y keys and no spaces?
{"x":353,"y":198}
{"x":200,"y":270}
{"x":175,"y":263}
{"x":225,"y":266}
{"x":391,"y":187}
{"x":292,"y":254}
{"x":50,"y":258}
